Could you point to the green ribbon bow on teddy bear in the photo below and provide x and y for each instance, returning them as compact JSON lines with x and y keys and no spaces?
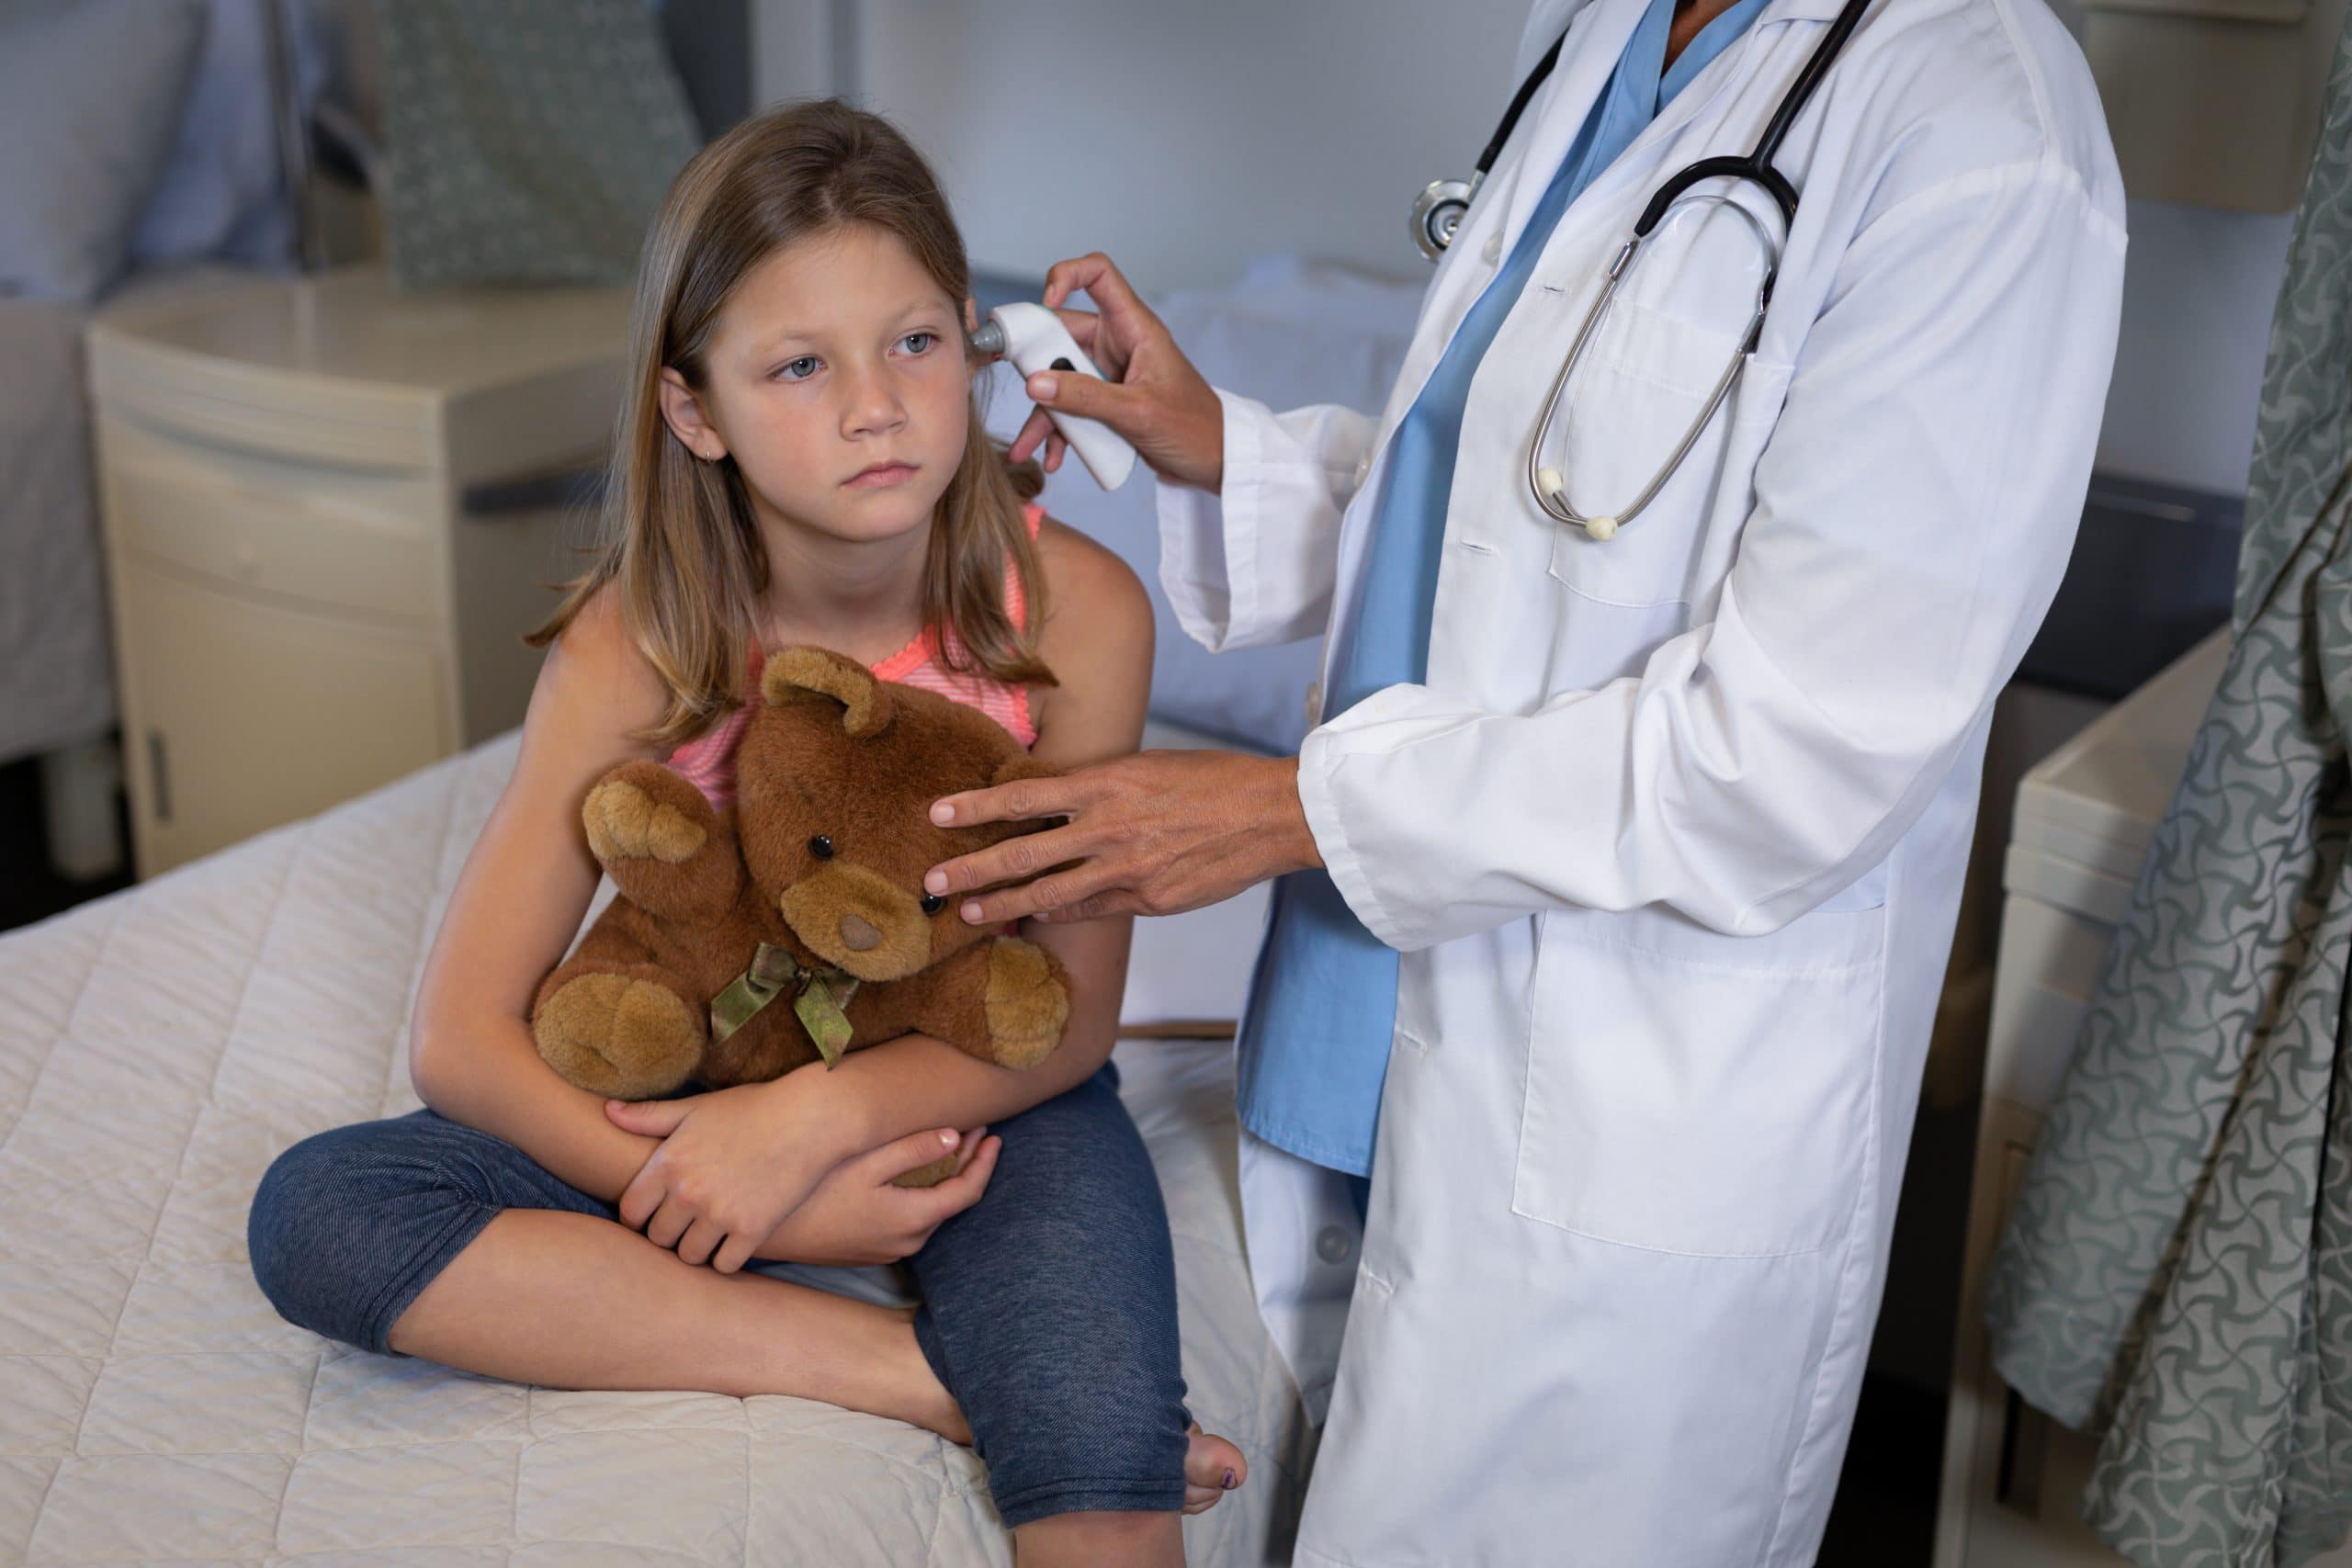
{"x":819,"y":995}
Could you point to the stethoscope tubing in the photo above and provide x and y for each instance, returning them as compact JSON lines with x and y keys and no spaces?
{"x":1546,"y":485}
{"x":1757,"y":165}
{"x":1553,"y":497}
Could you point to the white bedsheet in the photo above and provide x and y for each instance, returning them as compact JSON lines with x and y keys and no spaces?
{"x":159,"y":1047}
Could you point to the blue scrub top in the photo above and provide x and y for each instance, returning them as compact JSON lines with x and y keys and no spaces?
{"x":1315,"y":1034}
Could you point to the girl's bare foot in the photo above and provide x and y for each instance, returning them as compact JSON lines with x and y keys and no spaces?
{"x":920,"y":1398}
{"x":1212,"y":1465}
{"x":1212,"y":1468}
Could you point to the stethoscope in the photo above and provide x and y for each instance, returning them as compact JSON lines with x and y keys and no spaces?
{"x":1438,"y":213}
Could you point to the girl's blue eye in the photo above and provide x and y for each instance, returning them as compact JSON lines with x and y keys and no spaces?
{"x":927,"y":339}
{"x":790,"y":366}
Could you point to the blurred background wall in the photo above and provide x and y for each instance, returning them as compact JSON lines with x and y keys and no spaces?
{"x":1184,"y":139}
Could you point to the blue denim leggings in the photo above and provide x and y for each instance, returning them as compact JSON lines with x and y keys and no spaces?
{"x":1048,"y":1307}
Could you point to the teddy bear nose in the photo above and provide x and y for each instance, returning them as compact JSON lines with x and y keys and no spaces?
{"x":858,"y":936}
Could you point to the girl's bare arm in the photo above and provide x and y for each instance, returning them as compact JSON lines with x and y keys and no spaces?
{"x":516,"y":906}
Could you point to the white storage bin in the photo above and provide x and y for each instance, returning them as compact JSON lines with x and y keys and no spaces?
{"x":323,"y":537}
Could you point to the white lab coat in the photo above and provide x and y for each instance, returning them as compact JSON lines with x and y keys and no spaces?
{"x":1672,"y":838}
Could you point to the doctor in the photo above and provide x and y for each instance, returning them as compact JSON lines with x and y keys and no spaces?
{"x":1618,"y":875}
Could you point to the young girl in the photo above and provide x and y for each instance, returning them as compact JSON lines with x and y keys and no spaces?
{"x":800,"y":461}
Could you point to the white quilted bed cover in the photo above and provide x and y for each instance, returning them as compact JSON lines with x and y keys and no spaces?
{"x":159,"y":1047}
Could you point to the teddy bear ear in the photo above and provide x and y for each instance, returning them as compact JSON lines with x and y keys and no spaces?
{"x":807,"y":674}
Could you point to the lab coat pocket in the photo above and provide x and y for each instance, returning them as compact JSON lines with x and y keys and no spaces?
{"x":1641,"y":387}
{"x":1696,"y":1093}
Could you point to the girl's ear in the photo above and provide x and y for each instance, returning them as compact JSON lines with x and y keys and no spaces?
{"x":688,"y":420}
{"x":972,"y":322}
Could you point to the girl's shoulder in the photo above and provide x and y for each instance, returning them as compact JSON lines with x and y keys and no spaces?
{"x":1097,"y":638}
{"x":598,"y":675}
{"x":1085,"y":579}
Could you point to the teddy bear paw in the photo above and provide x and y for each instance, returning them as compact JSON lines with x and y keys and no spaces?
{"x":625,"y":822}
{"x":1027,"y":1003}
{"x":930,"y":1175}
{"x":617,"y":1035}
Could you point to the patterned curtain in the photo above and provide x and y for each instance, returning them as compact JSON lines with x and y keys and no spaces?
{"x":2178,"y":1274}
{"x":524,"y":140}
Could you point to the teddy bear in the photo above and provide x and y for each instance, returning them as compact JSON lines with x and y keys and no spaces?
{"x":793,"y":925}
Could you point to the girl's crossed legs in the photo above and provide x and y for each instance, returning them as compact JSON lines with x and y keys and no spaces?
{"x":1048,"y":1310}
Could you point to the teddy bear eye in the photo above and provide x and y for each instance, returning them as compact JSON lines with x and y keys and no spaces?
{"x":932,"y":903}
{"x":821,"y":847}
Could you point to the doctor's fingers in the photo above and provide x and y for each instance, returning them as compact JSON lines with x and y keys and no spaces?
{"x":1015,"y":860}
{"x":1100,"y":277}
{"x":1113,"y":346}
{"x":1026,"y":800}
{"x":1065,"y":888}
{"x":1163,"y":406}
{"x":1138,"y":881}
{"x":1131,"y":408}
{"x":1039,"y":428}
{"x":1099,"y":907}
{"x":1103,"y":347}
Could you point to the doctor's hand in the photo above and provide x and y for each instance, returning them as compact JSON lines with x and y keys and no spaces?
{"x":1154,"y":398}
{"x":1156,"y":833}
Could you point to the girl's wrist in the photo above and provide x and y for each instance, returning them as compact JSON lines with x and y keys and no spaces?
{"x":815,"y":1109}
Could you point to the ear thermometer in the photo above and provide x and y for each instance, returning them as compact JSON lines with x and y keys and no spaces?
{"x":1034,"y":339}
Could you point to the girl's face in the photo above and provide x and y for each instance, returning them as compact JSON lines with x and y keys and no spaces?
{"x":836,"y":377}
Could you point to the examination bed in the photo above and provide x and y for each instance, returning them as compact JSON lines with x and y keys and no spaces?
{"x":157,"y":1049}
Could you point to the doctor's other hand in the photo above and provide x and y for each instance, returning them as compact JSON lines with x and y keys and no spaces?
{"x":1154,"y":398}
{"x":1156,"y":833}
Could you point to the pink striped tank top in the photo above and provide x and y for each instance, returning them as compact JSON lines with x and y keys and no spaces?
{"x":707,"y":761}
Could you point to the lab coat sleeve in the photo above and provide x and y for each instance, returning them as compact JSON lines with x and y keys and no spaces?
{"x":1254,"y":564}
{"x":1913,"y":513}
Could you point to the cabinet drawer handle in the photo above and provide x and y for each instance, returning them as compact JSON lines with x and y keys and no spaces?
{"x":581,"y":486}
{"x":159,"y":774}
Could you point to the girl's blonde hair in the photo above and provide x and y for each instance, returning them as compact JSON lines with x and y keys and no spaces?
{"x":678,"y":538}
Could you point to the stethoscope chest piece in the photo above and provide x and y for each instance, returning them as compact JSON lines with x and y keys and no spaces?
{"x":1548,"y":484}
{"x":1438,"y":211}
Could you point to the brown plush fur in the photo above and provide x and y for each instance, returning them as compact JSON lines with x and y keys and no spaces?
{"x":829,"y":752}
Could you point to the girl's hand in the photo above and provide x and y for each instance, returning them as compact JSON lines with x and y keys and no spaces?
{"x":732,"y":1165}
{"x":856,"y":1217}
{"x":1154,"y":398}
